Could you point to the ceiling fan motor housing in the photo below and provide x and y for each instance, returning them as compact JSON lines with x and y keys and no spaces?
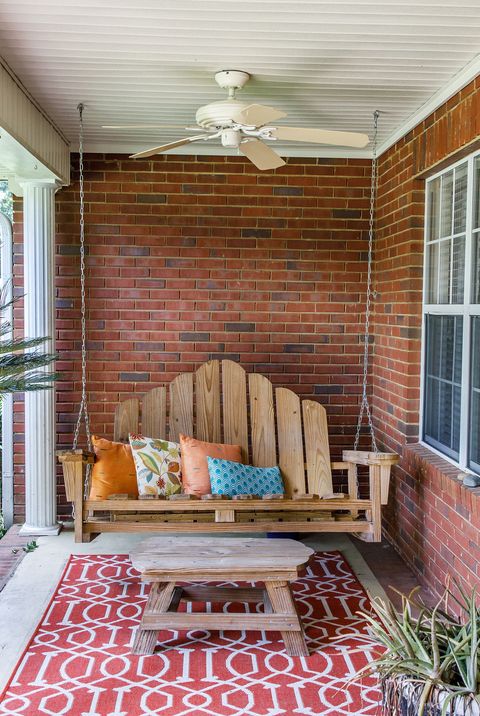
{"x":218,"y":114}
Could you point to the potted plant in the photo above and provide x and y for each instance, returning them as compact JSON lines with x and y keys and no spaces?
{"x":427,"y":660}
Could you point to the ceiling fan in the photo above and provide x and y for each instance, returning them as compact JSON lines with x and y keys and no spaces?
{"x":248,"y":127}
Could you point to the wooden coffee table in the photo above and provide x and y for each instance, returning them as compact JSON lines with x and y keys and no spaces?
{"x":164,"y":561}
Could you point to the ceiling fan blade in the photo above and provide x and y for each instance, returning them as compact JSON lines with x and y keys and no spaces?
{"x":321,"y":136}
{"x":262,"y":156}
{"x":142,"y":126}
{"x":166,"y":147}
{"x":257,"y":115}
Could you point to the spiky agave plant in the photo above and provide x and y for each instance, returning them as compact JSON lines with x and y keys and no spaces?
{"x":428,"y":659}
{"x":21,"y":359}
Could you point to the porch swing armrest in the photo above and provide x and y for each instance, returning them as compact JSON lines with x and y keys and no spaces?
{"x":75,"y":455}
{"x":380,"y":465}
{"x":74,"y":464}
{"x":364,"y":457}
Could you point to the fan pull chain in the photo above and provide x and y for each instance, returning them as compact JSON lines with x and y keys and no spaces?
{"x":83,"y":410}
{"x":365,"y":406}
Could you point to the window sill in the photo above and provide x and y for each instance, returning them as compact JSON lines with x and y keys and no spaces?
{"x":427,"y":466}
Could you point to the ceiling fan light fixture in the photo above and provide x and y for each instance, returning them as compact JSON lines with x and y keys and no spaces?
{"x":231,"y":138}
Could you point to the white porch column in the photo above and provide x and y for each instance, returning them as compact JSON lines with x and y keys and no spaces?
{"x":39,"y":250}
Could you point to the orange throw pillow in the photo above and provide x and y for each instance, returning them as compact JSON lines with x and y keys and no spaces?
{"x":113,"y":471}
{"x":194,"y":453}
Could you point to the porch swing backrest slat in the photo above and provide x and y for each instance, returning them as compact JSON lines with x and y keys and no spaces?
{"x":290,"y":444}
{"x":317,"y":450}
{"x":127,"y":416}
{"x":234,"y":400}
{"x":181,"y":406}
{"x":262,"y":421}
{"x":154,"y":412}
{"x":207,"y":402}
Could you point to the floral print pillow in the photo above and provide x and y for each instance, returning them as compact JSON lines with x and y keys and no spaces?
{"x":157,"y":463}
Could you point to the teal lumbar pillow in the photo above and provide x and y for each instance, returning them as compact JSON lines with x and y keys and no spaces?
{"x":233,"y":478}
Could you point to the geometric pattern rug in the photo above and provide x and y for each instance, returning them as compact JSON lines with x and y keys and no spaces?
{"x":79,"y":660}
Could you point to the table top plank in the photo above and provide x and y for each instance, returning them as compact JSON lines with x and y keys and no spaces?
{"x":191,"y":553}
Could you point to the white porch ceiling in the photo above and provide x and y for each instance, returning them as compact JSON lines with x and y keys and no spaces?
{"x":328,"y":63}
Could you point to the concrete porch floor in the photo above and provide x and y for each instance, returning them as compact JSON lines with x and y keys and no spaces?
{"x":25,"y":596}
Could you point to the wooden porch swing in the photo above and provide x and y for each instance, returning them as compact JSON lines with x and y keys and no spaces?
{"x":221,"y":403}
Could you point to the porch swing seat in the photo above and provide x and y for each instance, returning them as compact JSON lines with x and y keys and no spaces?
{"x":220,"y":402}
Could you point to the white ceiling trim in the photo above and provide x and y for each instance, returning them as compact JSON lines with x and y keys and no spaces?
{"x":29,"y":141}
{"x":460,"y":80}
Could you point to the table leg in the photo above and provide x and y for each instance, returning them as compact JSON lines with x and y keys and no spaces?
{"x":158,"y":602}
{"x":282,"y":602}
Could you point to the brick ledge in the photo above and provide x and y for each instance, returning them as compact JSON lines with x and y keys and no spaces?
{"x":418,"y":459}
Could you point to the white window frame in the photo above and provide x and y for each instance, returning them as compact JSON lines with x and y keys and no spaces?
{"x":466,"y":311}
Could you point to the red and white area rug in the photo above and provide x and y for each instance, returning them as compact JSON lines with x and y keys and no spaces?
{"x":79,"y":660}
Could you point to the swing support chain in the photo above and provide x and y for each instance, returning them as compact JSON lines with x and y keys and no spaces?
{"x":83,"y":409}
{"x":365,"y":405}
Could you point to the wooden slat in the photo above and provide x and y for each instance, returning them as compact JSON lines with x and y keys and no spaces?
{"x":184,"y":554}
{"x":234,"y":391}
{"x":262,"y":421}
{"x":181,"y":406}
{"x":376,"y":497}
{"x":207,"y":402}
{"x":273,"y":526}
{"x":126,"y":419}
{"x":317,"y":449}
{"x":209,"y":593}
{"x":236,"y":505}
{"x":218,"y":621}
{"x":353,"y":486}
{"x":290,"y":443}
{"x":154,"y":409}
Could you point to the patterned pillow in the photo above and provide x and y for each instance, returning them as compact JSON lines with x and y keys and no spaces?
{"x":157,"y":463}
{"x":233,"y":478}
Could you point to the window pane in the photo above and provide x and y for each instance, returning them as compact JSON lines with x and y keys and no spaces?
{"x":432,"y":412}
{"x":476,"y":196}
{"x":474,"y":451}
{"x":444,"y":272}
{"x":476,"y":269}
{"x":433,"y":204}
{"x":458,"y":269}
{"x":457,"y":402}
{"x":460,"y":208}
{"x":446,"y":205}
{"x":443,"y":383}
{"x":432,"y":289}
{"x":457,"y":351}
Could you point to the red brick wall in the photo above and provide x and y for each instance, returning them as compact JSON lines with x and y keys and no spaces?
{"x":432,"y":519}
{"x":190,"y":259}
